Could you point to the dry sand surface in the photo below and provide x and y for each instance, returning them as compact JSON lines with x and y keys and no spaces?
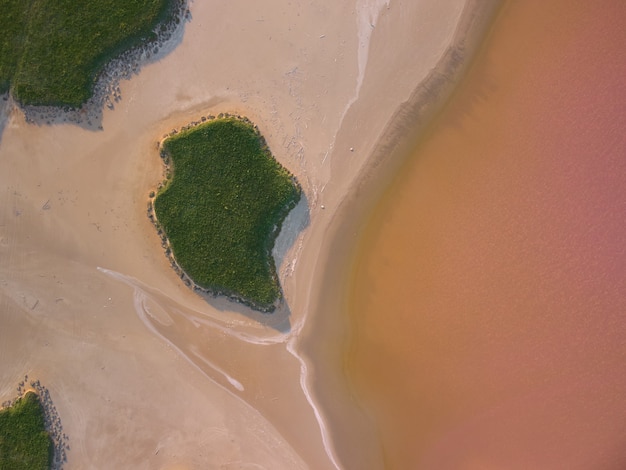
{"x":143,"y":372}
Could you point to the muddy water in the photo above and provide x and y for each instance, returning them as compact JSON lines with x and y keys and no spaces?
{"x":488,"y":299}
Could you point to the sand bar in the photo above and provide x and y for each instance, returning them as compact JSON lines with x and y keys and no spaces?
{"x":143,"y":372}
{"x":351,"y":427}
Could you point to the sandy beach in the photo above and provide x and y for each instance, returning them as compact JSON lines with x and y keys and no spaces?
{"x":143,"y":372}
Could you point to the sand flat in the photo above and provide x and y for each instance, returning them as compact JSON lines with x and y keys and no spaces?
{"x":143,"y":372}
{"x":488,"y":296}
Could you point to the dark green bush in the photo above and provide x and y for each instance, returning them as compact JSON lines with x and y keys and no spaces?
{"x":51,"y":51}
{"x":24,"y":442}
{"x":223,"y":208}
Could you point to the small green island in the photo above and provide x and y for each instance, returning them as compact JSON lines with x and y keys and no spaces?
{"x":24,"y":442}
{"x":53,"y":51}
{"x":222,"y":207}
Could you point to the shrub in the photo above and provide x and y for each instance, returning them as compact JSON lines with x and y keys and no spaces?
{"x":24,"y":442}
{"x":223,"y":207}
{"x":51,"y":51}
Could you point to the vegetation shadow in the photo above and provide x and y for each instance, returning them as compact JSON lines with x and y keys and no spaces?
{"x":5,"y":108}
{"x":294,"y":224}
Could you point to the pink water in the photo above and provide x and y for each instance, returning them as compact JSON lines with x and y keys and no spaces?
{"x":488,"y":303}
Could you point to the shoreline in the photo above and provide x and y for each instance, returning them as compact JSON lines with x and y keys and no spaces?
{"x":405,"y":128}
{"x":480,"y":302}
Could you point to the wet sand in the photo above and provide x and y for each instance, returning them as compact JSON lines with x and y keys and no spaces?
{"x":487,"y":298}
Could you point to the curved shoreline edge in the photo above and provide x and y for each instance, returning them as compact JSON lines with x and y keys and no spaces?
{"x":342,"y":418}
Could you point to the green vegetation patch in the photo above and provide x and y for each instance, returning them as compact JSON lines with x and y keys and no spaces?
{"x":51,"y":51}
{"x":223,"y":207}
{"x":24,"y":442}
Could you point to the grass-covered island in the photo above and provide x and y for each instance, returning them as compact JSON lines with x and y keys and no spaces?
{"x":24,"y":442}
{"x":222,"y":207}
{"x":52,"y":51}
